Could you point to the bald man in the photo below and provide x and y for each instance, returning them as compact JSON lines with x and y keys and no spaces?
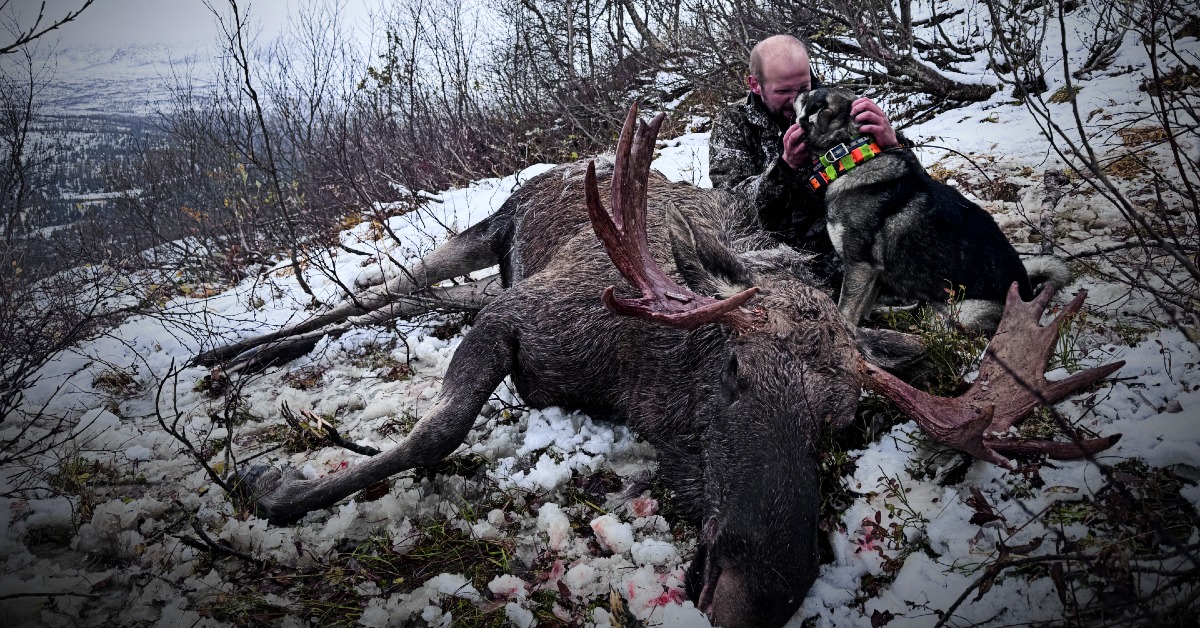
{"x":757,"y":150}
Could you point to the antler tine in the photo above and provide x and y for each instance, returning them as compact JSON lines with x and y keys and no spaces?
{"x":1018,"y":313}
{"x":1016,"y":358}
{"x":625,"y":238}
{"x":951,"y":422}
{"x":1060,"y":450}
{"x":628,"y":191}
{"x":1010,"y":384}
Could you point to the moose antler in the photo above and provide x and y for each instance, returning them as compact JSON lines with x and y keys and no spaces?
{"x":1011,"y":382}
{"x":624,"y":237}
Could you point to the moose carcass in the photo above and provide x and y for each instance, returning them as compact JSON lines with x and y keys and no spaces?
{"x":729,"y":361}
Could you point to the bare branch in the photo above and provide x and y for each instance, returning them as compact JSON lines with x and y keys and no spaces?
{"x":36,"y":31}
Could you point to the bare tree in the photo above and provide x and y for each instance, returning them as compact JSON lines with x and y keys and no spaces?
{"x":874,"y":45}
{"x":24,"y":35}
{"x":40,"y":314}
{"x":1153,"y":141}
{"x":260,"y":149}
{"x":25,"y":166}
{"x":889,"y":51}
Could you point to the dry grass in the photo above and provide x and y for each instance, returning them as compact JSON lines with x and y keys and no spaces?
{"x":940,"y":173}
{"x":117,"y":382}
{"x":1064,"y":94}
{"x":1176,"y":80}
{"x":305,"y":377}
{"x":1126,"y":167}
{"x":1142,"y":135}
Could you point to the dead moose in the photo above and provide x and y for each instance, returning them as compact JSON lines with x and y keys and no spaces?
{"x":725,"y":356}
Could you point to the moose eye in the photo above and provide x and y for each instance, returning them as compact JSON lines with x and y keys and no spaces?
{"x":729,"y":379}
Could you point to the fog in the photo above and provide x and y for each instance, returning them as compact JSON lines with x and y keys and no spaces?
{"x":119,"y":22}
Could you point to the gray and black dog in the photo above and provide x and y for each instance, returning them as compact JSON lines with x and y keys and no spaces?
{"x":903,"y":234}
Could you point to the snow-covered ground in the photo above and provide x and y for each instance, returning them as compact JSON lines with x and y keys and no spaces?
{"x":909,"y":545}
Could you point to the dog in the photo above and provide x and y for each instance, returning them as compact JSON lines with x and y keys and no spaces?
{"x":904,"y":235}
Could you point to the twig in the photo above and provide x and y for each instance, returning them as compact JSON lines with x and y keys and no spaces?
{"x":11,"y":596}
{"x":323,"y":430}
{"x":332,"y":436}
{"x":994,"y":570}
{"x":262,"y":453}
{"x":1124,"y":247}
{"x":180,"y":434}
{"x":206,"y":542}
{"x":1054,"y":182}
{"x":33,"y":33}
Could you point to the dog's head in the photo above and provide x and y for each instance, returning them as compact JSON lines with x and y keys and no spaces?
{"x":824,"y":114}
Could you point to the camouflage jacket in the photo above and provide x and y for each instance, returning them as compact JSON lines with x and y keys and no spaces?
{"x":744,"y":152}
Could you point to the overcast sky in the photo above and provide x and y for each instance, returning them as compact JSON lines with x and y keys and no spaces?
{"x":114,"y":22}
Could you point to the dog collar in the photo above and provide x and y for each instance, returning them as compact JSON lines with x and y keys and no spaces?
{"x":841,"y":159}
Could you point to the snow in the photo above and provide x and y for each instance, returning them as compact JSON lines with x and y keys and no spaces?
{"x":653,"y":552}
{"x":556,"y":525}
{"x":534,"y":455}
{"x":579,"y":577}
{"x":520,"y":617}
{"x":613,"y":533}
{"x":508,"y":586}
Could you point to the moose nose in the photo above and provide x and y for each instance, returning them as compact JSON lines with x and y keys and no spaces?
{"x":725,"y":600}
{"x":737,"y":602}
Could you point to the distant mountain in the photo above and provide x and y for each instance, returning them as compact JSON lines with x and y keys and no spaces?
{"x":131,"y":79}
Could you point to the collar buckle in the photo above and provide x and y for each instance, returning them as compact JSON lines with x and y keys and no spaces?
{"x":837,"y":152}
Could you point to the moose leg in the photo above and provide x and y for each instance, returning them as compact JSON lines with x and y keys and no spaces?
{"x":468,"y":297}
{"x":471,"y":250}
{"x":860,"y":288}
{"x":474,"y":249}
{"x":479,"y":364}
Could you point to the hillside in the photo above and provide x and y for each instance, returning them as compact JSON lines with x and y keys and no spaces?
{"x":121,"y":524}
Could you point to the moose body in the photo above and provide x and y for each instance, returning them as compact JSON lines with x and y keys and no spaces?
{"x":733,"y":389}
{"x":736,"y":418}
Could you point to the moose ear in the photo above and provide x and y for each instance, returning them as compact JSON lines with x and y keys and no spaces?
{"x":704,"y":259}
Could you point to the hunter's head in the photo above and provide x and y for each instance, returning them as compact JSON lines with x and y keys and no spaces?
{"x":779,"y":71}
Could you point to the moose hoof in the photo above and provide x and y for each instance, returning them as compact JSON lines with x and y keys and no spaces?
{"x":267,"y":488}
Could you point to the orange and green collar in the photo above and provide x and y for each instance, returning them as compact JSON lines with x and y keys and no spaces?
{"x":841,"y":159}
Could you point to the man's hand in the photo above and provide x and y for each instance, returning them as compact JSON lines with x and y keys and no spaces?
{"x":795,"y":149}
{"x":870,"y":119}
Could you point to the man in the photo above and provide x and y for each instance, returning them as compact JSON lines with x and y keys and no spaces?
{"x":756,"y":149}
